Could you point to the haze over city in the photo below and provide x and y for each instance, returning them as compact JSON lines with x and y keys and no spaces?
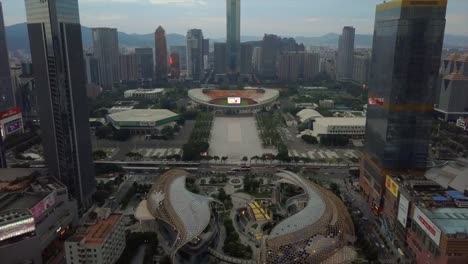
{"x":282,"y":17}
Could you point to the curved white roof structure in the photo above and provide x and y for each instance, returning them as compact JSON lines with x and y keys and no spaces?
{"x":320,"y":233}
{"x":188,"y":213}
{"x":310,"y":214}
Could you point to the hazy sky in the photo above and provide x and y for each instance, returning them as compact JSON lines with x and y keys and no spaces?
{"x":283,"y":17}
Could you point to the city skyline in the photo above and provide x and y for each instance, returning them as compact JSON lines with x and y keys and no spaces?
{"x":208,"y":15}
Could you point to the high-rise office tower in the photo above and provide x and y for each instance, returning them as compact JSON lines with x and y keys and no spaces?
{"x":246,"y":58}
{"x":233,"y":40}
{"x":270,"y":51}
{"x":345,"y":54}
{"x":145,"y":62}
{"x":7,"y":99}
{"x":195,"y":54}
{"x":57,"y":56}
{"x":311,"y":66}
{"x":361,"y":68}
{"x":406,"y":55}
{"x":257,"y":59}
{"x":161,"y":54}
{"x":182,"y":51}
{"x":128,"y":67}
{"x":206,"y":54}
{"x":174,"y":62}
{"x":106,"y":50}
{"x":92,"y":69}
{"x":220,"y":58}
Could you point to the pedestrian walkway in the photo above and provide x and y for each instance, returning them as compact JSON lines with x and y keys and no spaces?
{"x":159,"y":153}
{"x":320,"y":154}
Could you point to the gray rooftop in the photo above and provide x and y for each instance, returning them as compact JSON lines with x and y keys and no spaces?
{"x":450,"y":220}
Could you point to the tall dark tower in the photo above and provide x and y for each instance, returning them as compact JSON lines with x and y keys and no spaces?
{"x":57,"y":56}
{"x":6,"y":88}
{"x":408,"y":38}
{"x":161,"y":54}
{"x":233,"y":36}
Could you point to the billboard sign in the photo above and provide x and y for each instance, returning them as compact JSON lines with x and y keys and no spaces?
{"x":403,"y":209}
{"x":376,"y":101}
{"x":426,"y":225}
{"x":391,"y":185}
{"x":234,"y":100}
{"x":9,"y":113}
{"x":44,"y":205}
{"x":14,"y":126}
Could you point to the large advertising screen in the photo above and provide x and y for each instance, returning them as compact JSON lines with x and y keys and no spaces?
{"x":14,"y":126}
{"x":234,"y":100}
{"x":17,"y":228}
{"x":426,"y":225}
{"x":403,"y":209}
{"x":43,"y":205}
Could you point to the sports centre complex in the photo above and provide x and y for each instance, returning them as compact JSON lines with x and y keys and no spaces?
{"x":249,"y":100}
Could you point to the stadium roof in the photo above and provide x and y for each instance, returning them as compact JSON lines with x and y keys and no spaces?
{"x":307,"y":114}
{"x":266,"y":97}
{"x":142,"y":117}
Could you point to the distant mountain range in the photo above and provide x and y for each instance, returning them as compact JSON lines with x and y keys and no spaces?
{"x":17,"y":39}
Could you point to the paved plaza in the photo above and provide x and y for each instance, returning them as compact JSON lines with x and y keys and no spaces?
{"x":236,"y":137}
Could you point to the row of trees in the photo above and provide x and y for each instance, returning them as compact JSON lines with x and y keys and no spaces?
{"x":198,"y":141}
{"x":232,"y":244}
{"x":268,"y":124}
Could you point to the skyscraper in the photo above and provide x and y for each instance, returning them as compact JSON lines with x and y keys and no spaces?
{"x":206,"y":54}
{"x":182,"y":51}
{"x":7,"y":100}
{"x":161,"y":54}
{"x":57,"y":55}
{"x":345,"y":54}
{"x":145,"y":62}
{"x":408,"y":38}
{"x":246,"y":58}
{"x":270,"y":51}
{"x":257,"y":59}
{"x":361,"y":68}
{"x":106,"y":50}
{"x":92,"y":69}
{"x":311,"y":66}
{"x":195,"y":54}
{"x":174,"y":62}
{"x":233,"y":36}
{"x":220,"y":58}
{"x":128,"y":67}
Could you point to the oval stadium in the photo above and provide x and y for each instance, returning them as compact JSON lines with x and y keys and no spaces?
{"x":249,"y":100}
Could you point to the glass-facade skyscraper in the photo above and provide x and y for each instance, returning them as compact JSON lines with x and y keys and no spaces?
{"x":407,"y":46}
{"x":345,"y":58}
{"x":106,"y":50}
{"x":6,"y":87}
{"x":161,"y":54}
{"x":233,"y":41}
{"x":195,"y":54}
{"x":57,"y":56}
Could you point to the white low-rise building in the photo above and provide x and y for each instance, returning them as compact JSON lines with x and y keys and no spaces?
{"x":152,"y":93}
{"x":308,"y":115}
{"x":355,"y":127}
